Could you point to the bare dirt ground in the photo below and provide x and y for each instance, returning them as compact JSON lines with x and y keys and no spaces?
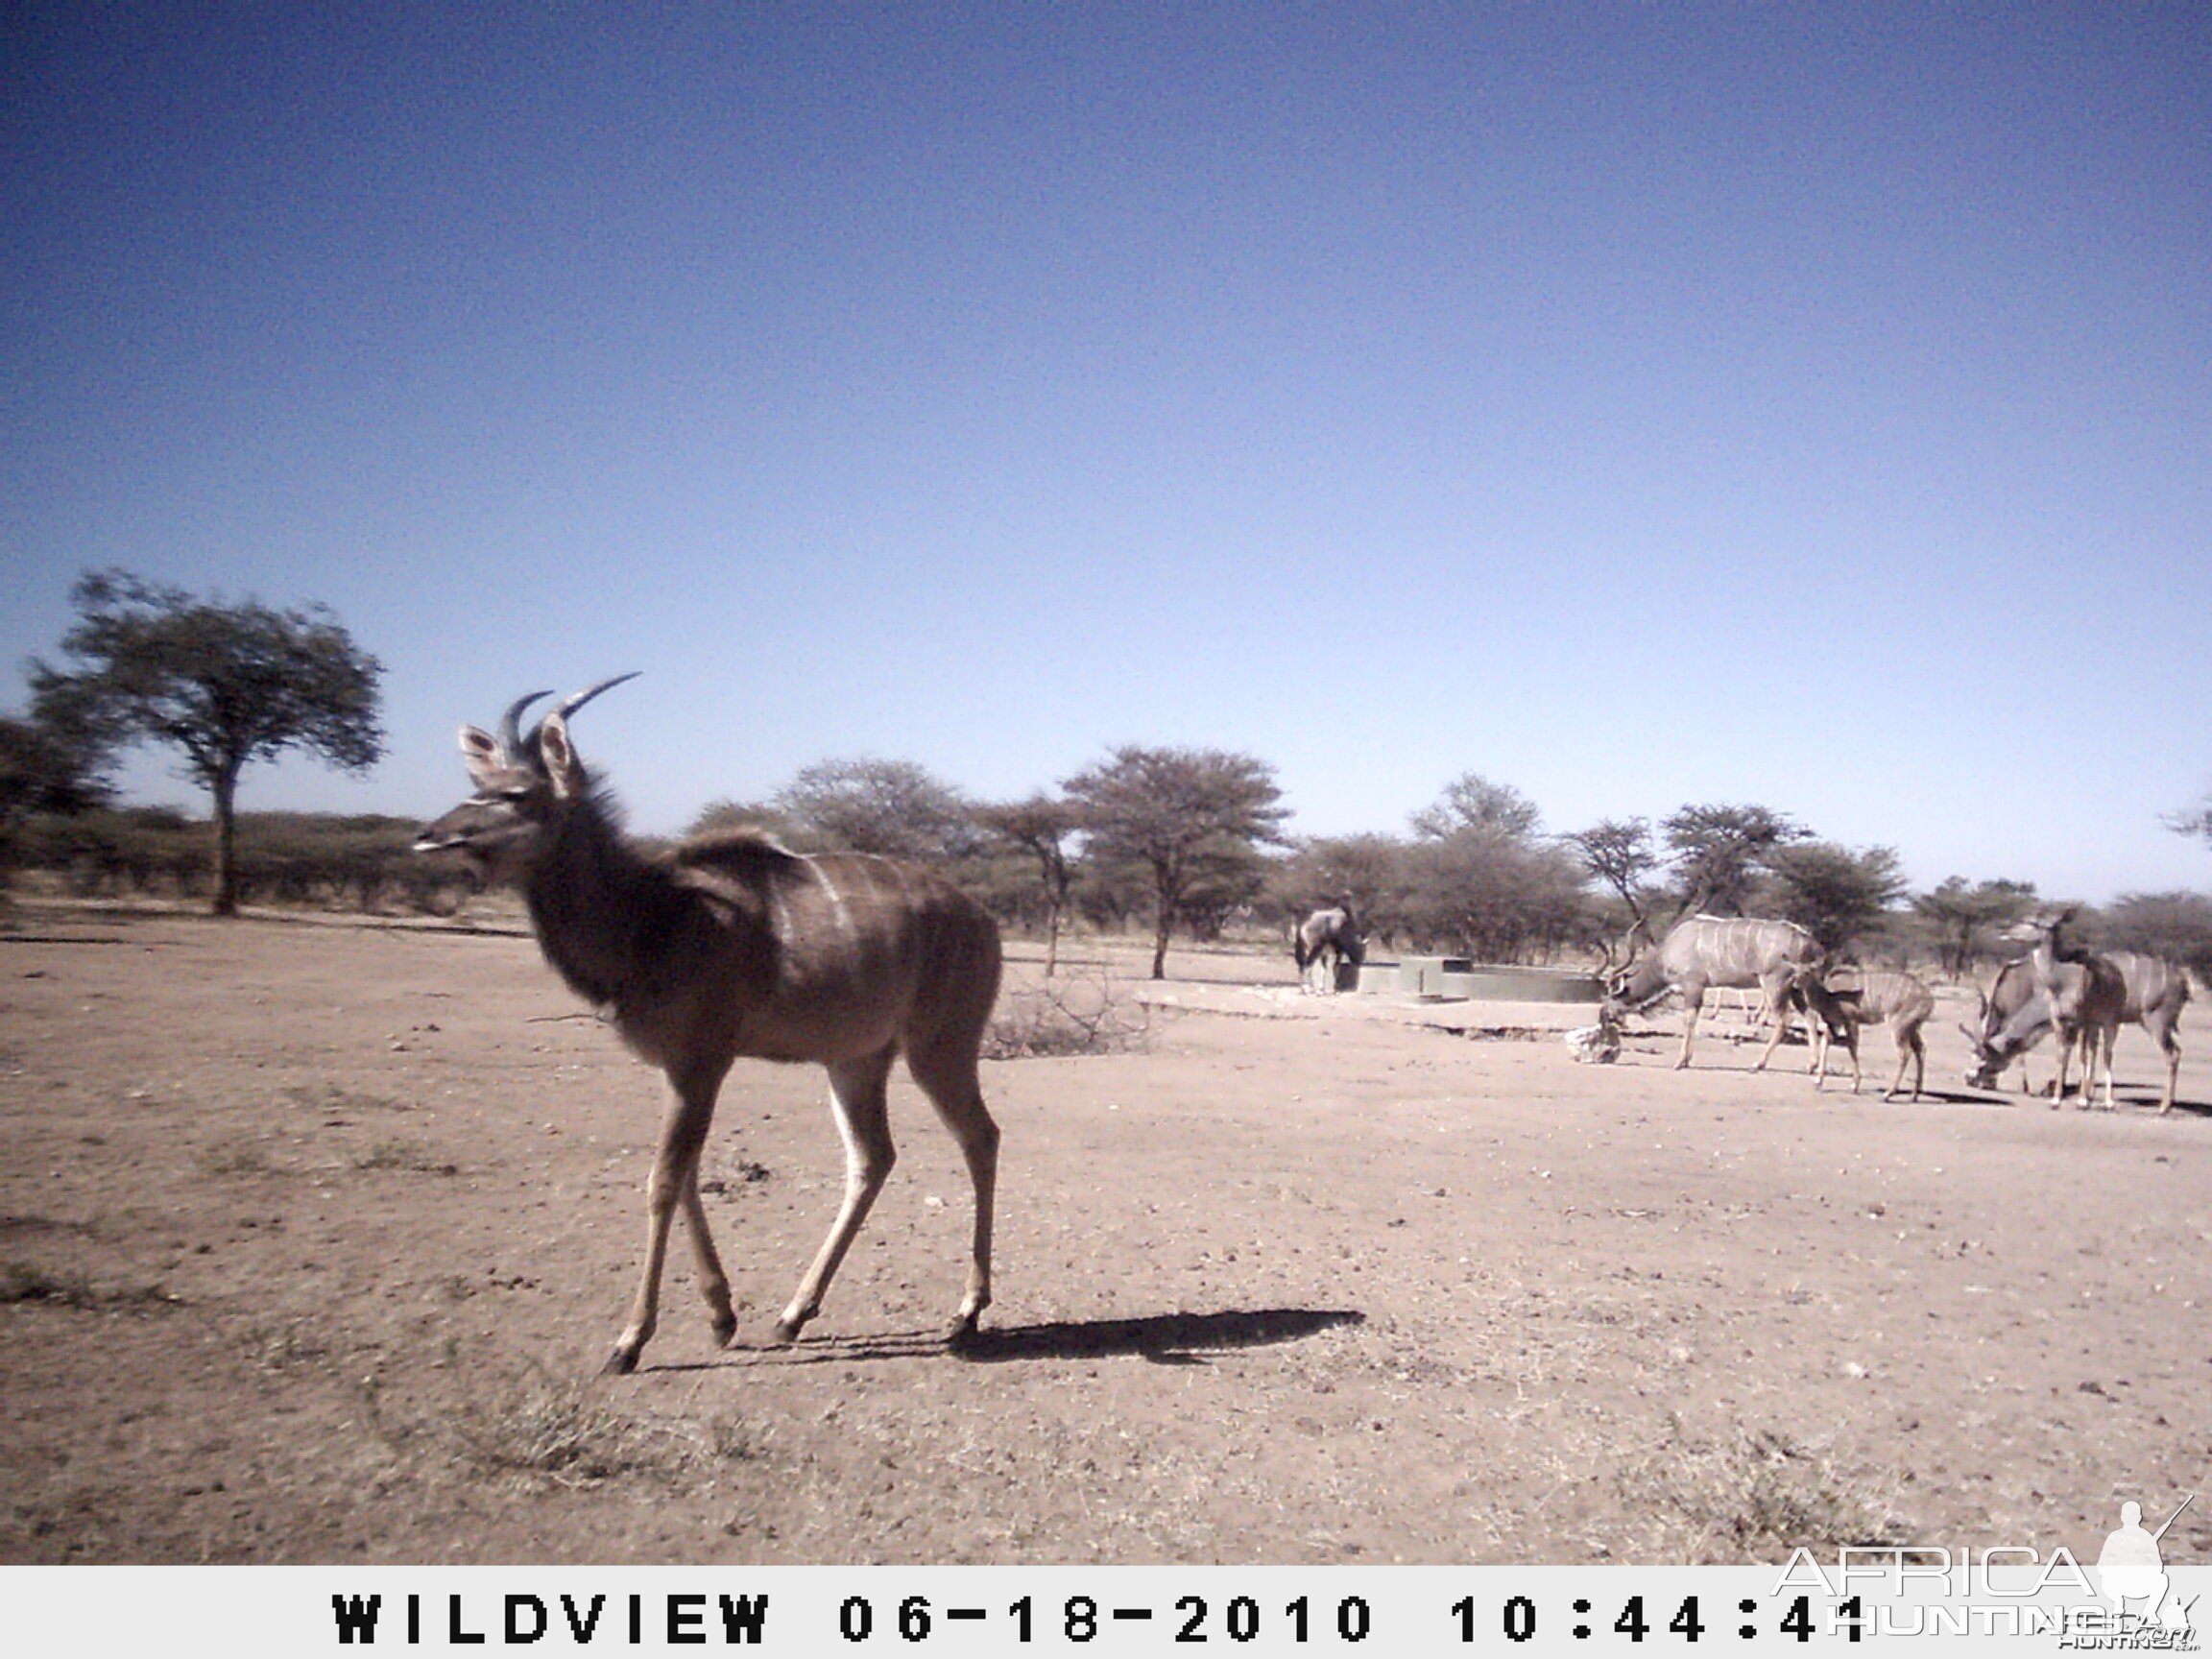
{"x":312,"y":1237}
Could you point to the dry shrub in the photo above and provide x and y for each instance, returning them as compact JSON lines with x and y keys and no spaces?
{"x":33,"y":1282}
{"x":397,"y":1152}
{"x":543,"y":1430}
{"x":1075,"y":1015}
{"x":1756,"y":1496}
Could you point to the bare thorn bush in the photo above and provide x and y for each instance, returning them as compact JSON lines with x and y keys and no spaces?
{"x":1068,"y":1016}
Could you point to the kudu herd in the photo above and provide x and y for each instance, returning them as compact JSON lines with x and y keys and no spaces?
{"x":730,"y":948}
{"x":2083,"y":996}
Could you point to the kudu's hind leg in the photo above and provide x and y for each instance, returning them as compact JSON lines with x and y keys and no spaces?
{"x":857,"y":1097}
{"x":948,"y":1077}
{"x":675,"y":1181}
{"x":1909,"y":1047}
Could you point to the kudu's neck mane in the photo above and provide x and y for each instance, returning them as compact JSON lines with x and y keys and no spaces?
{"x":595,"y":902}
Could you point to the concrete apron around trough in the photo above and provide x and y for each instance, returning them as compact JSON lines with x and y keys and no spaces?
{"x":1461,"y":1016}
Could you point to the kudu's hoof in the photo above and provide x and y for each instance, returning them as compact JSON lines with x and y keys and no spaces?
{"x":788,"y":1326}
{"x":620,"y":1363}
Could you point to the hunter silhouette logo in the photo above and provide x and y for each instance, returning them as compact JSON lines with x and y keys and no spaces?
{"x":2130,"y":1569}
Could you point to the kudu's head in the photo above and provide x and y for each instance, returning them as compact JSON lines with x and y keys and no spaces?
{"x":524,"y":786}
{"x":2038,"y":926}
{"x":1993,"y":1050}
{"x":2006,"y":1025}
{"x":1805,"y":986}
{"x":1636,"y":980}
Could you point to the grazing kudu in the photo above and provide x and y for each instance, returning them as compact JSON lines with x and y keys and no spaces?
{"x":728,"y":948}
{"x":1329,"y":938}
{"x":2014,"y":1018}
{"x":1844,"y":999}
{"x":1701,"y":951}
{"x":2085,"y":992}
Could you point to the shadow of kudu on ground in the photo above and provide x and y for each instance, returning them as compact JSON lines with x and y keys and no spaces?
{"x":1162,"y":1338}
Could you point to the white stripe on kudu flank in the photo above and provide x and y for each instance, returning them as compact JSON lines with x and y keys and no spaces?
{"x":837,"y":899}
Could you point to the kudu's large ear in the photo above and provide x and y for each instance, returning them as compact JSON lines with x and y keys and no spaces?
{"x":481,"y":754}
{"x":562,"y":766}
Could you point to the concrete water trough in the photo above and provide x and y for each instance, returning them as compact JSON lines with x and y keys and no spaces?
{"x":1457,"y":979}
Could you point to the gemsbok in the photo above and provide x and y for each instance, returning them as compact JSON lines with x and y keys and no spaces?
{"x":1702,"y":951}
{"x":728,"y":946}
{"x":1329,"y":938}
{"x":1844,"y":999}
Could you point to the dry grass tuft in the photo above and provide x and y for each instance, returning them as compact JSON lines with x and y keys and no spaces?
{"x":1756,"y":1496}
{"x":399,"y":1153}
{"x":546,"y":1432}
{"x":28,"y":1281}
{"x":233,"y":1158}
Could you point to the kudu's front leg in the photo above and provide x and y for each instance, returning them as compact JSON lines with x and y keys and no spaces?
{"x":674,"y":1181}
{"x":1778,"y":1001}
{"x":1693,"y":1000}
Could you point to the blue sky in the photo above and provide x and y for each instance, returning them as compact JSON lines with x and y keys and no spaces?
{"x":1638,"y":405}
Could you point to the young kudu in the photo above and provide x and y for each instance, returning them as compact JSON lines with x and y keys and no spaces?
{"x":1702,"y":951}
{"x":732,"y":948}
{"x":1329,"y":938}
{"x":1844,"y":999}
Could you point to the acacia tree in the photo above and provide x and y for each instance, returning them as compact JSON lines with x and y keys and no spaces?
{"x":1717,"y":851}
{"x":1482,"y":878}
{"x":43,"y":769}
{"x":1472,"y":801}
{"x":896,"y":809}
{"x":1619,"y":852}
{"x":1182,"y":814}
{"x":2175,"y":925}
{"x":1956,"y":912}
{"x":1834,"y":893}
{"x":1366,"y":873}
{"x":1041,"y":827}
{"x":227,"y":684}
